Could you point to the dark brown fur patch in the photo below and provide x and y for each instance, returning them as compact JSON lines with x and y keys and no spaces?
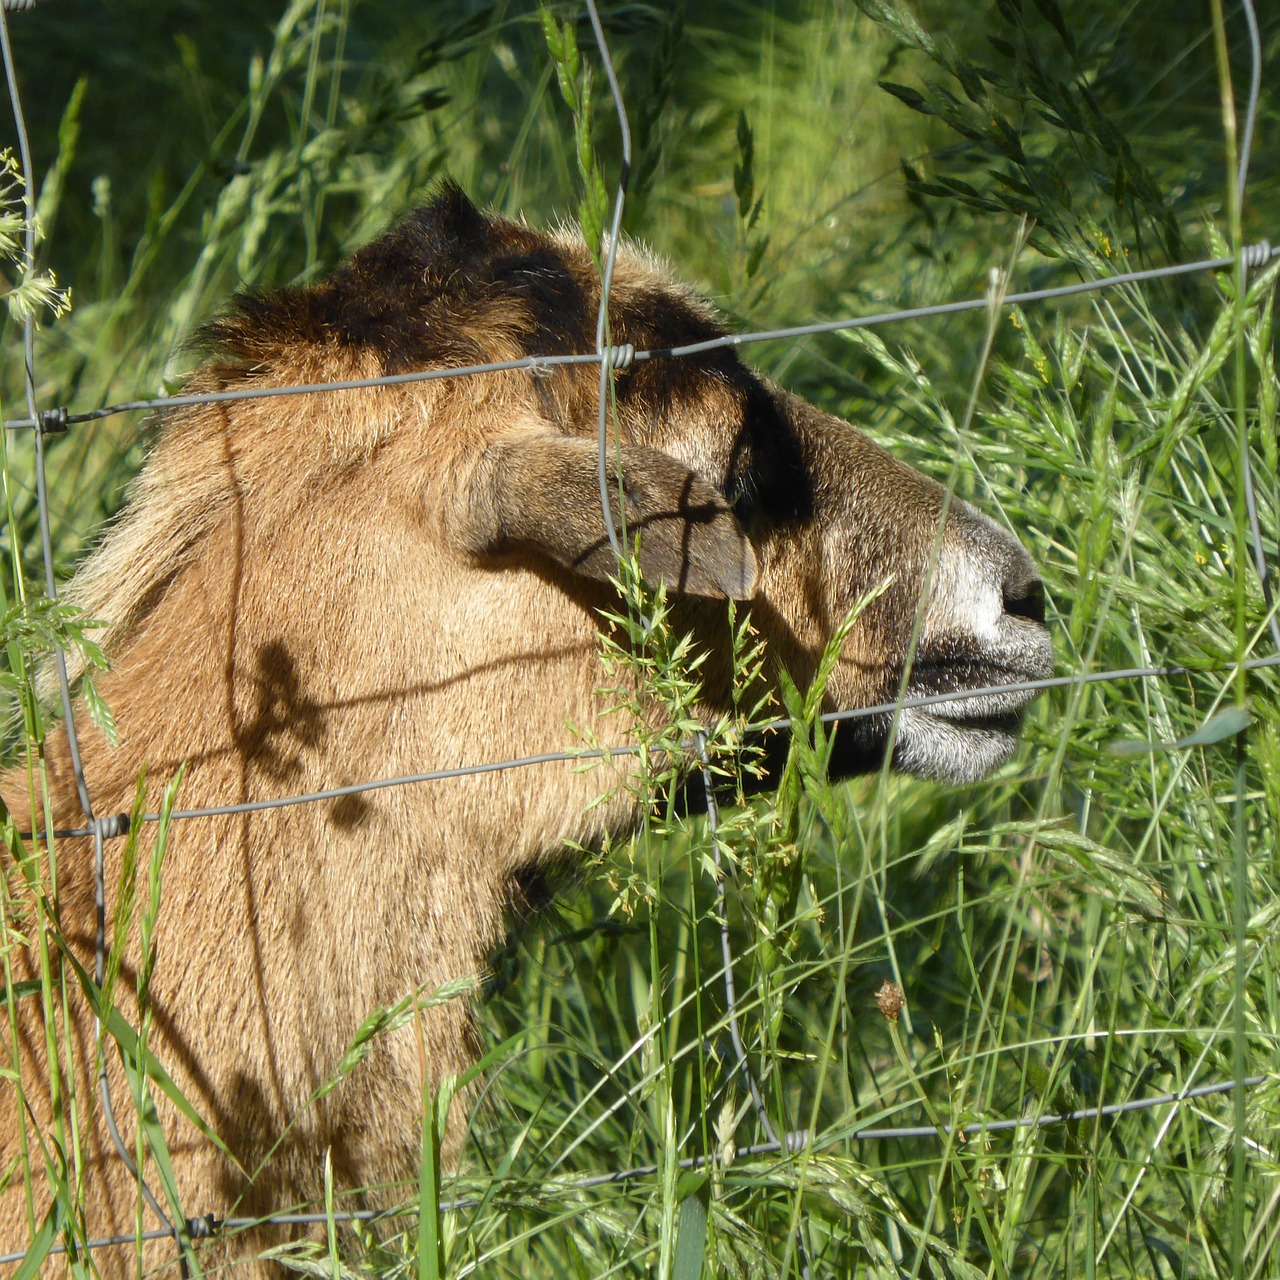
{"x":427,"y":293}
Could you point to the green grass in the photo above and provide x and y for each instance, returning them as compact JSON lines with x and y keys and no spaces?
{"x":1096,"y":923}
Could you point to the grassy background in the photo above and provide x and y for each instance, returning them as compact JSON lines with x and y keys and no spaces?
{"x":1097,"y":922}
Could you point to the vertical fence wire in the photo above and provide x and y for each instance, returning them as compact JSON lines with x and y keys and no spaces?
{"x":608,"y":358}
{"x":59,"y":655}
{"x":1242,"y":183}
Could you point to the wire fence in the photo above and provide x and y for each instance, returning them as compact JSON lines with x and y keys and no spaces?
{"x":791,"y":1144}
{"x":56,"y":420}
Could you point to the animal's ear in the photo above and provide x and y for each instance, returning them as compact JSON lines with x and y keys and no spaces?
{"x":427,"y":247}
{"x":542,"y":492}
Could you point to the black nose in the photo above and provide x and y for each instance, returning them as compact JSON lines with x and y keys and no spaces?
{"x":1023,"y":591}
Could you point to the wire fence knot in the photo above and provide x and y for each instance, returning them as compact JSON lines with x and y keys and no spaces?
{"x":795,"y":1140}
{"x":109,"y":828}
{"x":50,"y":422}
{"x":619,"y":358}
{"x":1258,"y":255}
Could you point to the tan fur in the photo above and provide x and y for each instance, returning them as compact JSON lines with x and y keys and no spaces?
{"x":297,"y":598}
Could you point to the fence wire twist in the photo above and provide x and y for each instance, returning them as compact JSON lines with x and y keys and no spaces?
{"x":608,"y":358}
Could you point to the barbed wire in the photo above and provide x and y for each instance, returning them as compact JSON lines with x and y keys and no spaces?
{"x":608,"y":358}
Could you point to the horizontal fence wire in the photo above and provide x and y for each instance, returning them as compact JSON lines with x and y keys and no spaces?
{"x":791,"y":1144}
{"x":1254,"y":256}
{"x":119,"y":824}
{"x":609,"y":358}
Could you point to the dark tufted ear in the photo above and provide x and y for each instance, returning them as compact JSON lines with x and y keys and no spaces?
{"x":541,"y":492}
{"x":381,"y":297}
{"x":438,"y":239}
{"x":452,"y":219}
